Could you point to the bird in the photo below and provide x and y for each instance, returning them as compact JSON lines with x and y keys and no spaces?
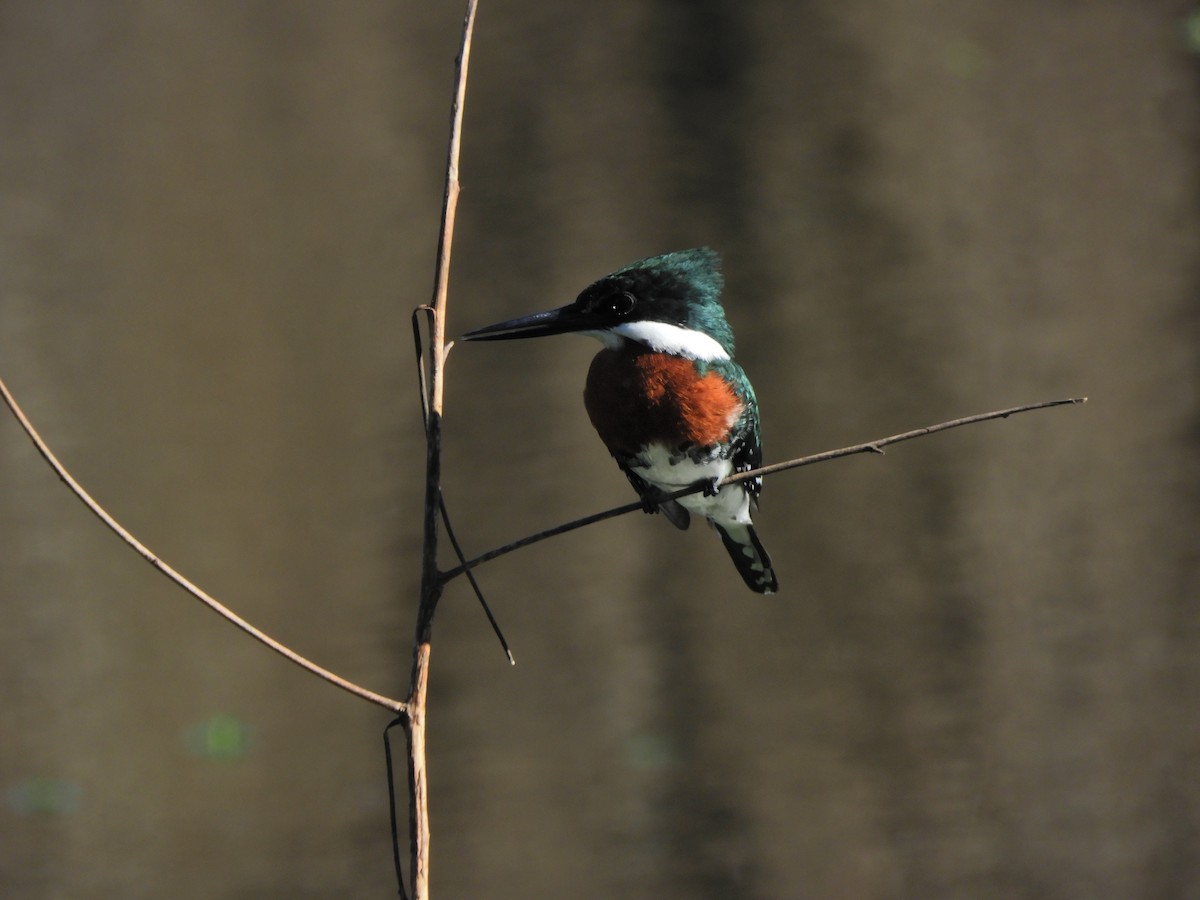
{"x":665,"y":396}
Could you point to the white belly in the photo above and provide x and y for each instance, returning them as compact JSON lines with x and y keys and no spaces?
{"x":732,"y":503}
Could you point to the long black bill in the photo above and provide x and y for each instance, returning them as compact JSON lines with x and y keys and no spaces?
{"x":553,"y":321}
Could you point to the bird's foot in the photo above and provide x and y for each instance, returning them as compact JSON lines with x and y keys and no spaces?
{"x":712,"y":486}
{"x":652,"y":501}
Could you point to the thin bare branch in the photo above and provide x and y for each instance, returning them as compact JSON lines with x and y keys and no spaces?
{"x":147,"y":554}
{"x":877,"y":446}
{"x":487,"y":610}
{"x":419,"y":354}
{"x":394,"y":819}
{"x":868,"y":447}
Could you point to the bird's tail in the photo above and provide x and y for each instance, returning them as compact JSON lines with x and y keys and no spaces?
{"x":752,"y":561}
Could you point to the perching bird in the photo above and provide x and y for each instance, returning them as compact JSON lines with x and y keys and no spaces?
{"x":665,"y":395}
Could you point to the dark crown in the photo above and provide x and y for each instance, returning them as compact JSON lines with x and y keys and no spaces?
{"x":681,"y":288}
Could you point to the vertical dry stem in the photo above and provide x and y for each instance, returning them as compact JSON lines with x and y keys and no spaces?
{"x":418,"y":781}
{"x":431,"y":578}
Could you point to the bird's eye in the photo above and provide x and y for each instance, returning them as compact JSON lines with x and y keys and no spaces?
{"x":622,"y":304}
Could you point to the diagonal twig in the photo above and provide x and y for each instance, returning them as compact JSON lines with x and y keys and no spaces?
{"x":867,"y":447}
{"x":147,"y":554}
{"x":462,"y":559}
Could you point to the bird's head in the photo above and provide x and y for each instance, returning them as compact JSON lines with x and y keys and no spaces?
{"x":669,"y":303}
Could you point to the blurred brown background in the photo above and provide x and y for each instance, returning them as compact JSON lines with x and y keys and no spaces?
{"x":982,"y":675}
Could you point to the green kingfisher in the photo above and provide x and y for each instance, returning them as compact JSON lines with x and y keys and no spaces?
{"x":665,"y":395}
